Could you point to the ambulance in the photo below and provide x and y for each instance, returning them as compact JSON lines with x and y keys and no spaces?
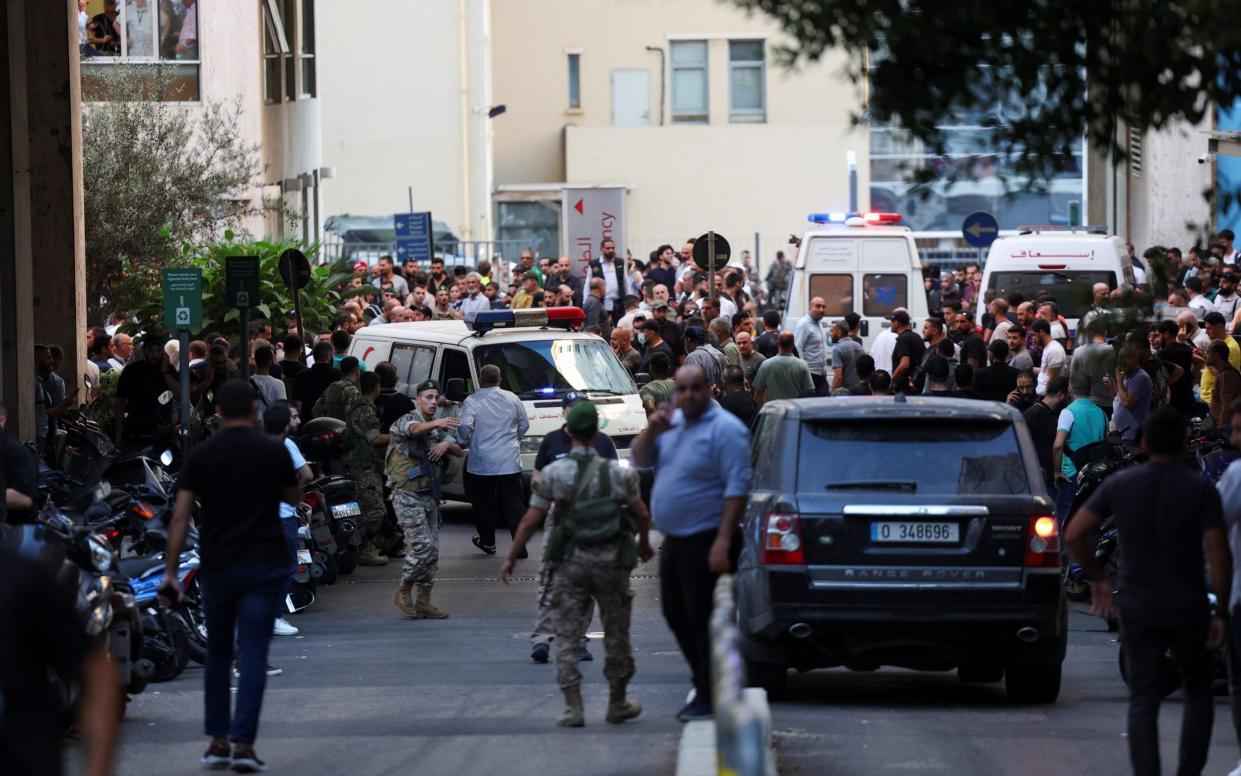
{"x":540,"y":359}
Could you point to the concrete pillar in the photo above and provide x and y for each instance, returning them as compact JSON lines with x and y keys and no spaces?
{"x":57,"y":227}
{"x":16,"y":321}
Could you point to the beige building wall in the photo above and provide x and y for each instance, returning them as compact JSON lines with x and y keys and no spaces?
{"x":685,"y":178}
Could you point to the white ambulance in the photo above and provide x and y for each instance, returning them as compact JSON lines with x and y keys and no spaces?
{"x":1064,"y":262}
{"x":863,"y":263}
{"x":538,"y":361}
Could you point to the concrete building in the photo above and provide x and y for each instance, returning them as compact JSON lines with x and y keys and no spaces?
{"x":262,"y":52}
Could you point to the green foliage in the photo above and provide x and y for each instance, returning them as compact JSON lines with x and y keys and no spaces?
{"x":1042,"y":73}
{"x":320,"y":299}
{"x":100,"y":410}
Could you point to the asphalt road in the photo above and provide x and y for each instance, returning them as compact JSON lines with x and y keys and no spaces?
{"x":365,"y":691}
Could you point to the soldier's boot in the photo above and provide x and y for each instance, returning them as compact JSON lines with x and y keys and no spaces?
{"x":424,"y":608}
{"x":574,"y":715}
{"x":620,"y":708}
{"x":369,"y":556}
{"x":404,"y":601}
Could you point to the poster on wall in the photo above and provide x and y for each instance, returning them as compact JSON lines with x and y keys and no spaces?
{"x":588,"y":216}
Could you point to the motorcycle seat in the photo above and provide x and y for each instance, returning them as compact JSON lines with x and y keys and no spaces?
{"x":136,"y":567}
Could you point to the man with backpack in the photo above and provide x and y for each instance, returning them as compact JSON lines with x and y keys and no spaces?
{"x":594,"y":550}
{"x":361,"y":439}
{"x":417,"y":454}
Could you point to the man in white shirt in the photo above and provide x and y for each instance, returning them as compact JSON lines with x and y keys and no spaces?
{"x":1197,"y":302}
{"x":122,"y":350}
{"x":883,"y":346}
{"x":1054,"y":357}
{"x":139,"y":18}
{"x":475,"y":300}
{"x":612,"y":269}
{"x":1226,"y":238}
{"x":1226,"y":301}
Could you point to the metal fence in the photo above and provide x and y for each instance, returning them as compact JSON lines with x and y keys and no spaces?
{"x":742,"y":719}
{"x":466,"y":253}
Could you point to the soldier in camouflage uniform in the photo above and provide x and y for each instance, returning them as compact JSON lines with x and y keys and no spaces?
{"x":420,"y":441}
{"x":362,"y":438}
{"x":340,"y":395}
{"x":599,"y":571}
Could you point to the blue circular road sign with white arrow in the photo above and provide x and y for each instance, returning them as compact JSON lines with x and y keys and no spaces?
{"x":980,"y":229}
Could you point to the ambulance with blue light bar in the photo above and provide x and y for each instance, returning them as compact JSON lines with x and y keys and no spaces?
{"x":857,"y":262}
{"x":540,"y":357}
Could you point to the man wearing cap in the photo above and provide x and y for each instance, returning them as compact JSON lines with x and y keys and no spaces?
{"x":705,"y":356}
{"x":668,"y":329}
{"x":138,"y":390}
{"x":598,"y":571}
{"x":426,"y":441}
{"x":555,"y":446}
{"x":525,"y":297}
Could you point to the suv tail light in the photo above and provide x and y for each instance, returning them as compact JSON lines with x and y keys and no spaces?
{"x":782,"y":540}
{"x":1043,"y":550}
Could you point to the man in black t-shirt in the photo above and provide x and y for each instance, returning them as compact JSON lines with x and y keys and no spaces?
{"x":1166,"y":514}
{"x":997,"y":380}
{"x":1041,"y":422}
{"x":653,"y":342}
{"x":240,"y":476}
{"x":1177,"y":353}
{"x":555,"y":446}
{"x":312,"y":382}
{"x":908,"y":353}
{"x":736,"y":398}
{"x":973,"y":350}
{"x":138,"y":390}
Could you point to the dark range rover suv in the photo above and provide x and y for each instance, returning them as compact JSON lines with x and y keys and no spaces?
{"x":900,"y":532}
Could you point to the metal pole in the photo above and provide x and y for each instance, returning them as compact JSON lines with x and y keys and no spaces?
{"x":852,"y":160}
{"x":244,"y":320}
{"x":183,"y":373}
{"x":411,"y":199}
{"x":297,"y":312}
{"x":711,"y":264}
{"x":758,"y":266}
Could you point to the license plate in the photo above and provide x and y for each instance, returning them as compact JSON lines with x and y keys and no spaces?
{"x":915,"y":532}
{"x":348,"y":509}
{"x":303,"y":556}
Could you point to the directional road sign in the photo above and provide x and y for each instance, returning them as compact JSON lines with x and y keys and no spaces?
{"x":241,"y":281}
{"x":980,"y":229}
{"x":413,"y":237}
{"x":183,"y":298}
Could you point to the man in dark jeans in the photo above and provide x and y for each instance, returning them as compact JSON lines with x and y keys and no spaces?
{"x":701,"y":456}
{"x":1167,"y":514}
{"x":240,"y":476}
{"x":493,"y":422}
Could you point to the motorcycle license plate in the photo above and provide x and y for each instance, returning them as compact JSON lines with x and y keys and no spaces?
{"x":303,"y":556}
{"x":914,"y":532}
{"x":348,"y":509}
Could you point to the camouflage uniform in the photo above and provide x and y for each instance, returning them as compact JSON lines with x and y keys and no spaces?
{"x":417,"y":511}
{"x":589,"y":572}
{"x":361,"y":428}
{"x":338,"y":398}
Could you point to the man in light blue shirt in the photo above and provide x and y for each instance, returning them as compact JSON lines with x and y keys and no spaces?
{"x":701,"y":456}
{"x":475,"y":301}
{"x":808,"y":336}
{"x":1230,"y":495}
{"x":493,"y":422}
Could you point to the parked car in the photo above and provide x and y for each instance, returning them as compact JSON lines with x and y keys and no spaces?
{"x":900,"y":532}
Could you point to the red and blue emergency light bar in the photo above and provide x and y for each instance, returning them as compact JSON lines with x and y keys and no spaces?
{"x":841,"y":217}
{"x":561,"y":317}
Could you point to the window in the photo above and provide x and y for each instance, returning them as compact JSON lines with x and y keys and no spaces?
{"x":141,"y":32}
{"x":275,"y":45}
{"x":290,"y":69}
{"x":689,"y":81}
{"x":881,"y":294}
{"x":1070,"y":289}
{"x":747,"y":81}
{"x":937,"y":458}
{"x":575,"y":81}
{"x":413,"y":365}
{"x":836,"y":290}
{"x":308,"y":48}
{"x":550,"y":368}
{"x":455,"y":363}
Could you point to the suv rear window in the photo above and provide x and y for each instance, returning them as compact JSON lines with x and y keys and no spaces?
{"x":938,"y":458}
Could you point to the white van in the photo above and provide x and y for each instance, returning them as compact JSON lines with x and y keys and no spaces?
{"x":1064,"y":261}
{"x":858,"y":263}
{"x":538,"y":363}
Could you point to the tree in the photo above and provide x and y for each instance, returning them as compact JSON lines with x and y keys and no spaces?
{"x":320,"y":299}
{"x":1043,"y":73}
{"x":156,"y":175}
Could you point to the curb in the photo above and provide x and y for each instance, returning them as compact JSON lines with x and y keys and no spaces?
{"x":697,"y":754}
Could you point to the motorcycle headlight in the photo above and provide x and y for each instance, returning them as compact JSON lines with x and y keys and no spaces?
{"x":166,"y":458}
{"x":99,"y":619}
{"x":531,"y":444}
{"x":100,"y":552}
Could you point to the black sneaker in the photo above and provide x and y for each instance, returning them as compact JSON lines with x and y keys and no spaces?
{"x":539,"y":653}
{"x":698,"y":708}
{"x":583,"y":654}
{"x":217,"y":757}
{"x":246,"y":761}
{"x":490,"y":549}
